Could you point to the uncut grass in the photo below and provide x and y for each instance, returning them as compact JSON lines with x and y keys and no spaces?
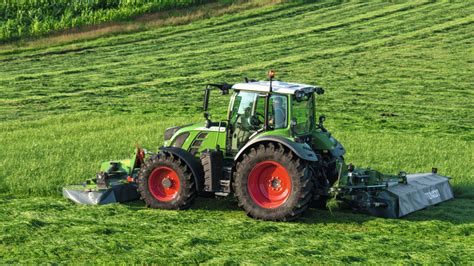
{"x":68,"y":149}
{"x":398,"y":96}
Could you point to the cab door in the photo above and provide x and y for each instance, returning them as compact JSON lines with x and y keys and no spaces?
{"x":246,"y":116}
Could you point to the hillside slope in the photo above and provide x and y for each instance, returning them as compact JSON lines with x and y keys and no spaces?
{"x":399,"y":90}
{"x":22,"y":19}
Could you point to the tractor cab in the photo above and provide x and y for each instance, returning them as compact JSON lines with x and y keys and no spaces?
{"x":285,"y":109}
{"x":271,"y":110}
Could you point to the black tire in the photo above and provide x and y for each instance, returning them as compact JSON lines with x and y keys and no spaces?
{"x":301,"y":184}
{"x":185,"y":193}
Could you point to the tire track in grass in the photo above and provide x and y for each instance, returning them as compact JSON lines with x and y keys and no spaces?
{"x":42,"y":75}
{"x":205,"y":52}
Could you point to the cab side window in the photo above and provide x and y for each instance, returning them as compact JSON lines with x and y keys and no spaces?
{"x":278,"y":111}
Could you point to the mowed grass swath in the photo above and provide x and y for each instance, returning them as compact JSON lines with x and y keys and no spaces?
{"x":398,"y":83}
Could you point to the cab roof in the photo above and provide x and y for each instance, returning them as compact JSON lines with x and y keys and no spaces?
{"x":277,"y":87}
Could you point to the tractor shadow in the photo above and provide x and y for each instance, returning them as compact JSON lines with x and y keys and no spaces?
{"x":455,"y":211}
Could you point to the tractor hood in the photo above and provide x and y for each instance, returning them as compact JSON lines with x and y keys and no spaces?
{"x":197,"y":137}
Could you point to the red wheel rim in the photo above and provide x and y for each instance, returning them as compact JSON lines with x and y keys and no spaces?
{"x":163,"y":183}
{"x":269,"y":184}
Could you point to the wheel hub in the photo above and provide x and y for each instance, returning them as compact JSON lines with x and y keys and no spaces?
{"x":275,"y":182}
{"x":167,"y":182}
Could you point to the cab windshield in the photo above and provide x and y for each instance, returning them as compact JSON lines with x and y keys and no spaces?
{"x":303,"y":114}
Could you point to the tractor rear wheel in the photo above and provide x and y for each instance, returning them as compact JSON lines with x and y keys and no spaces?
{"x":272,"y":183}
{"x":165,"y":182}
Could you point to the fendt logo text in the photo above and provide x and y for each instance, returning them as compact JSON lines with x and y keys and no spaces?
{"x":433,"y":194}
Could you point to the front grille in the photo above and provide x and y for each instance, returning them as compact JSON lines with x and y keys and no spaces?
{"x":202,"y":135}
{"x":197,"y":143}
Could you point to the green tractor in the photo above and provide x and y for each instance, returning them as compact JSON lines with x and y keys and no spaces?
{"x":271,"y":153}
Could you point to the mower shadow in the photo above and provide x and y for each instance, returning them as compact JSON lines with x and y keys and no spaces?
{"x":456,"y":211}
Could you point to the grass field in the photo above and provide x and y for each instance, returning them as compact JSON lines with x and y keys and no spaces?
{"x":399,"y":95}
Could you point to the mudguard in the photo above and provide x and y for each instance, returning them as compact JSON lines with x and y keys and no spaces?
{"x":303,"y":150}
{"x":192,"y":162}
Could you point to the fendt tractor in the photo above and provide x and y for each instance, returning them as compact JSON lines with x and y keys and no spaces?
{"x":271,"y":153}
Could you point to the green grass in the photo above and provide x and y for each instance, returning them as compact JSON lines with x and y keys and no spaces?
{"x":398,"y":79}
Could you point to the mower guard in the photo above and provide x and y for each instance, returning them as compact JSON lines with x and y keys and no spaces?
{"x":93,"y":196}
{"x":391,"y":196}
{"x":419,"y":192}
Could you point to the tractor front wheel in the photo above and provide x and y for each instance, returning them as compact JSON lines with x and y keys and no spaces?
{"x":272,"y":183}
{"x":165,"y":182}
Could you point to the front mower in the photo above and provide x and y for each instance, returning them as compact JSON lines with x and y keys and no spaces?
{"x":114,"y":182}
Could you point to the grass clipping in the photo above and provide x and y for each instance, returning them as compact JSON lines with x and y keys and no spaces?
{"x":334,"y":204}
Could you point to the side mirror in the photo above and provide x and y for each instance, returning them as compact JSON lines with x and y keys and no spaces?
{"x":322,"y":118}
{"x":293,"y":122}
{"x":319,"y":90}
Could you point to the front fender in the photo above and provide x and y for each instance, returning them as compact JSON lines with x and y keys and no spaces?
{"x":303,"y":150}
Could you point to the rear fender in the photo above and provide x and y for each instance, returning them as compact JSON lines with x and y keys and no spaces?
{"x":302,"y":150}
{"x":192,"y":162}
